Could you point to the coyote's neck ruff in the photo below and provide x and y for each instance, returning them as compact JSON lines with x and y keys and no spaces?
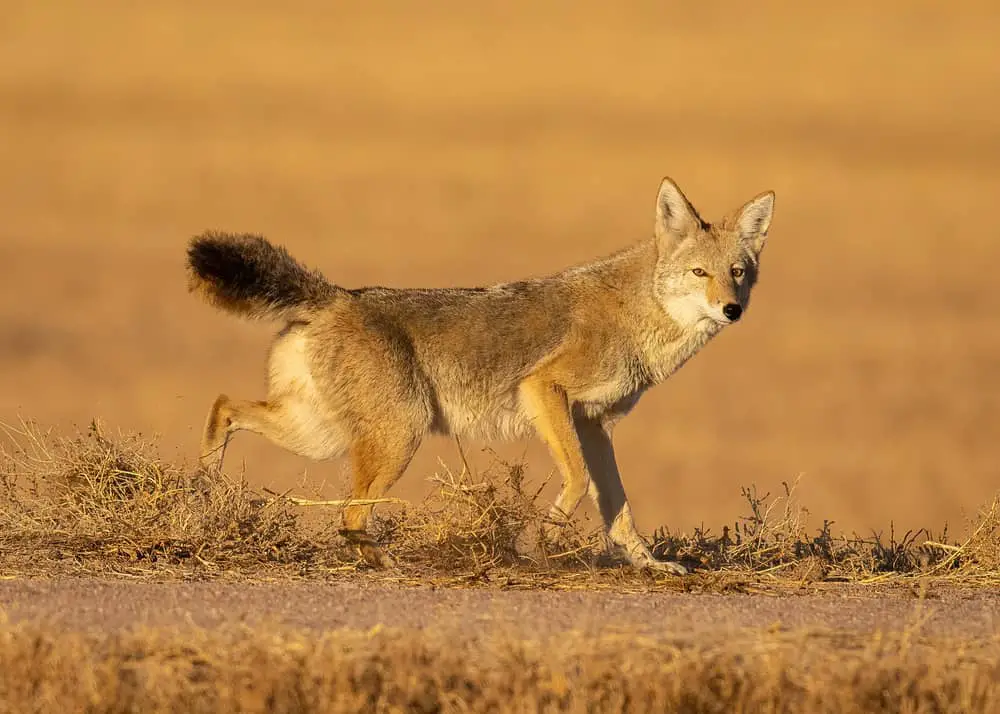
{"x":370,"y":371}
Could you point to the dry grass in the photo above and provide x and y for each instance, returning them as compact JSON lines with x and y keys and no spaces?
{"x":99,"y":505}
{"x":275,"y":670}
{"x":89,"y":503}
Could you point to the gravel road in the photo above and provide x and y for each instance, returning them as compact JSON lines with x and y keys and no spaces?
{"x":92,"y":604}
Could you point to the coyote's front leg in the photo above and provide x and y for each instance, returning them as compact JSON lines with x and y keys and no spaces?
{"x":609,"y":494}
{"x":583,"y":452}
{"x":548,"y":408}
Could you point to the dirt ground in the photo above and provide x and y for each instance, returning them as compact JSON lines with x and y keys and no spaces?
{"x":67,"y":604}
{"x":470,"y":143}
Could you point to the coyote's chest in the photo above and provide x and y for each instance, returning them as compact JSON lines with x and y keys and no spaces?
{"x":611,"y":399}
{"x":614,"y":394}
{"x":665,"y":358}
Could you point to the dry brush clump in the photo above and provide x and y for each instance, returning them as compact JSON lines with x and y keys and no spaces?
{"x":95,"y":503}
{"x":775,"y":539}
{"x":91,"y":502}
{"x":287,"y":671}
{"x":476,"y":523}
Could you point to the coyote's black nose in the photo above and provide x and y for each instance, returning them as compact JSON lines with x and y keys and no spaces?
{"x":732,"y":311}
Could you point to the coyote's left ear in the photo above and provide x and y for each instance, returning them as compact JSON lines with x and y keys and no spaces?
{"x":753,"y":220}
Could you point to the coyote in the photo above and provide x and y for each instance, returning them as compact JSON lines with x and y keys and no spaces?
{"x":369,"y":371}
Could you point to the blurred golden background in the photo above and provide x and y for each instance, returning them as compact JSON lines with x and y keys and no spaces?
{"x":456,"y":143}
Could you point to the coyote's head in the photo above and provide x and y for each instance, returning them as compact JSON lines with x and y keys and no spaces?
{"x":704,"y":272}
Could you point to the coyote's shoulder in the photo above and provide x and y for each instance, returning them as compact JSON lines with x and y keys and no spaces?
{"x":371,"y":370}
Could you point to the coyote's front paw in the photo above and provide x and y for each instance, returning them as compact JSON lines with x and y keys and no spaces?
{"x":664,"y":566}
{"x":555,"y":525}
{"x":376,"y":557}
{"x":645,"y":559}
{"x":368,"y":549}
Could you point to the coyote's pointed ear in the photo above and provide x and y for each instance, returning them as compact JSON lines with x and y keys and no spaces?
{"x":675,"y":216}
{"x":753,"y":220}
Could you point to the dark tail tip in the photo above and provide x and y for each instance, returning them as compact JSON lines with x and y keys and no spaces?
{"x":246,"y":274}
{"x":228,"y":260}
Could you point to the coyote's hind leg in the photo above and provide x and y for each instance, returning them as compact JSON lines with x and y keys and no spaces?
{"x":377,"y":463}
{"x":273,"y":419}
{"x":215,"y":436}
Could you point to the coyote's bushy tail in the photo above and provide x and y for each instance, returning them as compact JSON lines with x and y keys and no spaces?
{"x":247,"y":275}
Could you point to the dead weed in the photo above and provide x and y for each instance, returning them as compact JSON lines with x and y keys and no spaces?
{"x":96,"y":503}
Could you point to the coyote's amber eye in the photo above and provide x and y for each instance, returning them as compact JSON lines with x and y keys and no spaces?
{"x":699,"y":272}
{"x":737,"y":272}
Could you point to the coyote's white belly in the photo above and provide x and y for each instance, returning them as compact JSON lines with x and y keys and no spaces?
{"x":502,"y":419}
